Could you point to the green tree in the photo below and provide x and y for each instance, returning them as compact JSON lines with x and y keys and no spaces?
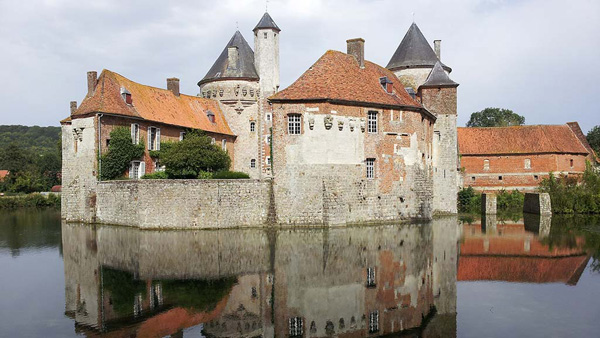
{"x":495,"y":117}
{"x":593,"y":138}
{"x":121,"y":151}
{"x":193,"y":155}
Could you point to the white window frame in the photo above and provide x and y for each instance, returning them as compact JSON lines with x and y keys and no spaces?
{"x":154,"y":145}
{"x":213,"y":141}
{"x":527,"y":163}
{"x":268,"y":117}
{"x":253,"y":163}
{"x":224,"y":144}
{"x":295,"y":326}
{"x":181,"y":135}
{"x":372,"y":121}
{"x":137,"y":169}
{"x":373,"y":321}
{"x":294,"y":124}
{"x":371,"y":277}
{"x":370,"y":166}
{"x":135,"y":133}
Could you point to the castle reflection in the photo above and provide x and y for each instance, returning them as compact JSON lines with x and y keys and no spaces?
{"x":346,"y":282}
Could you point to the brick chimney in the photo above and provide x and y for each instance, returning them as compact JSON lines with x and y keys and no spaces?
{"x":232,"y":56}
{"x":173,"y":85}
{"x":92,"y":78}
{"x":73,"y":107}
{"x":356,"y":48}
{"x":437,"y":45}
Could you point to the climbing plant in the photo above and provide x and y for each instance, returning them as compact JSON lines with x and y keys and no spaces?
{"x":121,"y":151}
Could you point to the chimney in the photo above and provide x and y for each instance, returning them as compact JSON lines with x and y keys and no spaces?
{"x":232,"y":56}
{"x":437,"y":47}
{"x":356,"y":48}
{"x":92,"y":78}
{"x":73,"y":107}
{"x":173,"y":85}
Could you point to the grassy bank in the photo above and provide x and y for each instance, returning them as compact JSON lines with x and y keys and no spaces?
{"x":30,"y":201}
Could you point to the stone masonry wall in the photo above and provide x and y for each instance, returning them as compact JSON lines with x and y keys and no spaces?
{"x":183,"y":203}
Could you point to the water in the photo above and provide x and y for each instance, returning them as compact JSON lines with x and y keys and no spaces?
{"x":447,"y":278}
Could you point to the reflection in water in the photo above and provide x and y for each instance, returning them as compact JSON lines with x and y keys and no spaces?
{"x":521,"y":251}
{"x":29,"y":229}
{"x":361,"y":281}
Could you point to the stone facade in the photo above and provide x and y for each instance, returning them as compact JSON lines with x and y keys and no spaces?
{"x":538,"y":203}
{"x":188,"y":203}
{"x":321,"y":175}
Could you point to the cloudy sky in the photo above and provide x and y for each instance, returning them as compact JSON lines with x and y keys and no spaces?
{"x":537,"y":57}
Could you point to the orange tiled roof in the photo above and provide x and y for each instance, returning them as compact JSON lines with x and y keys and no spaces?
{"x":153,"y":104}
{"x":522,"y":269}
{"x":519,"y":140}
{"x":3,"y":174}
{"x":337,"y":76}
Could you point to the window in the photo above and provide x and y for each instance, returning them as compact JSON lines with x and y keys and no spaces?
{"x":107,"y":142}
{"x":126,"y":95}
{"x":536,"y":177}
{"x":499,"y":178}
{"x":252,"y":163}
{"x":135,"y":133}
{"x":156,"y":298}
{"x":295,"y":326}
{"x":224,"y":144}
{"x":153,"y":138}
{"x":265,"y":35}
{"x":211,"y":116}
{"x":268,"y":116}
{"x":137,"y":169}
{"x":486,"y":164}
{"x":571,"y":162}
{"x":527,"y":163}
{"x":252,"y":126}
{"x":268,"y":160}
{"x":137,"y":305}
{"x":181,"y":135}
{"x":294,"y":124}
{"x":370,"y":162}
{"x":213,"y":141}
{"x":268,"y":139}
{"x":253,"y":292}
{"x":373,"y":321}
{"x":158,"y":166}
{"x":472,"y":178}
{"x":371,"y":277}
{"x":372,"y":121}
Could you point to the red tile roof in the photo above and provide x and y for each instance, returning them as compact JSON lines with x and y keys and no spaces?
{"x":152,"y":104}
{"x":336,"y":76}
{"x":519,"y":140}
{"x":3,"y":174}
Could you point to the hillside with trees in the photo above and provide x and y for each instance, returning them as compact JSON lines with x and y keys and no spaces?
{"x":33,"y":157}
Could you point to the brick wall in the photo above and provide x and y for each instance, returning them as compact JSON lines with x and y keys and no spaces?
{"x":183,"y":203}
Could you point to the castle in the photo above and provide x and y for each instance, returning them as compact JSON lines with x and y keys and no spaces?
{"x":348,"y":142}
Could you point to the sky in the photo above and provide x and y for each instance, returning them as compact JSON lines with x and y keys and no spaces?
{"x":538,"y":58}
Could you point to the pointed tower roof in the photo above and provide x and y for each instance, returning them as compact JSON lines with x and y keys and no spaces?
{"x":266,"y":22}
{"x":414,"y":51}
{"x":244,"y":69}
{"x":438,"y":78}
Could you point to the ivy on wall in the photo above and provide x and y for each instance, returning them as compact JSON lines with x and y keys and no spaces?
{"x":121,"y":151}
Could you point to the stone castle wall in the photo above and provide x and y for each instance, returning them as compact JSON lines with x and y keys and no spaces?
{"x":183,"y":203}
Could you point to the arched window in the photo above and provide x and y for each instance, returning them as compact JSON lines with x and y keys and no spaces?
{"x":252,"y":163}
{"x":252,"y":126}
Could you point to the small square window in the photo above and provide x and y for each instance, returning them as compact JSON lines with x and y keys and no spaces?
{"x":536,"y":177}
{"x":499,"y":178}
{"x":472,"y":178}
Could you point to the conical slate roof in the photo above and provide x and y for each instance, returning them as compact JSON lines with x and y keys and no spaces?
{"x":266,"y":22}
{"x":414,"y":51}
{"x":244,"y":68}
{"x":438,"y":78}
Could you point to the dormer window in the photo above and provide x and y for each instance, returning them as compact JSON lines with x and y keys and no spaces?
{"x":126,"y":95}
{"x":386,"y":84}
{"x":211,"y":116}
{"x":411,"y":92}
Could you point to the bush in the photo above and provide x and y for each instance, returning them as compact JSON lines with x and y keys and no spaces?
{"x":30,"y":201}
{"x":204,"y":175}
{"x":159,"y":175}
{"x":510,"y":201}
{"x":229,"y":175}
{"x":568,"y":196}
{"x":468,"y":200}
{"x":196,"y":153}
{"x":121,"y":151}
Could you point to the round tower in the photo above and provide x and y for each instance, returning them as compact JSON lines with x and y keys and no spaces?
{"x":414,"y":59}
{"x":234,"y":82}
{"x":266,"y":57}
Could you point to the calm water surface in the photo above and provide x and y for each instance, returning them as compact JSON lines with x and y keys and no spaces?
{"x":450,"y":277}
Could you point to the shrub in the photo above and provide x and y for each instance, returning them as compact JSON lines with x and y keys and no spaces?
{"x":30,"y":201}
{"x":510,"y":201}
{"x":196,"y":153}
{"x":469,"y":200}
{"x":159,"y":175}
{"x":204,"y":175}
{"x":229,"y":175}
{"x":568,"y":196}
{"x":121,"y":151}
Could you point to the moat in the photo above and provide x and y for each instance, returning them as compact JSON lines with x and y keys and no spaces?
{"x":451,"y":277}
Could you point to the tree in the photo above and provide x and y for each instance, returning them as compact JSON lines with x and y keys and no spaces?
{"x":495,"y":117}
{"x":193,"y":155}
{"x":121,"y":151}
{"x":593,"y":138}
